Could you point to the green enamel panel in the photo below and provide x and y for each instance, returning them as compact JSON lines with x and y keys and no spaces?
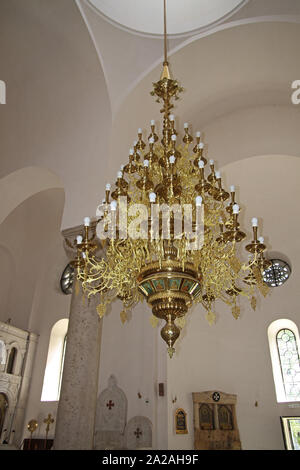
{"x":174,"y":283}
{"x":148,"y":287}
{"x":187,"y":285}
{"x":159,"y":284}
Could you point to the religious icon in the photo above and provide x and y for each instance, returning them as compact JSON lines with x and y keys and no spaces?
{"x":180,"y":421}
{"x":291,"y":432}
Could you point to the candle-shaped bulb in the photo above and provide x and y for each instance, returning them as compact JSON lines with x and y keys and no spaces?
{"x":232,"y":188}
{"x":186,"y":125}
{"x":79,"y":239}
{"x":107,"y":187}
{"x":131,"y":152}
{"x":198,"y":201}
{"x":261,"y":239}
{"x":211,"y":162}
{"x":201,"y":146}
{"x":135,"y":143}
{"x":201,"y":164}
{"x":198,"y":134}
{"x":171,"y":117}
{"x":152,"y":122}
{"x":218,"y":175}
{"x":86,"y":221}
{"x":173,"y":137}
{"x":172,"y":159}
{"x":120,"y":174}
{"x":139,"y":130}
{"x":113,"y":206}
{"x":151,"y":140}
{"x":254,"y":222}
{"x":152,"y":197}
{"x":236,"y":209}
{"x":146,"y":163}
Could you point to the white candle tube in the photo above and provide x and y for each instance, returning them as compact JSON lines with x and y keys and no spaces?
{"x":236,"y":209}
{"x":152,"y":197}
{"x":198,"y":201}
{"x":113,"y":205}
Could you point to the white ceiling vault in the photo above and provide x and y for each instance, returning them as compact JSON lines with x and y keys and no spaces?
{"x":78,"y":89}
{"x":146,"y":16}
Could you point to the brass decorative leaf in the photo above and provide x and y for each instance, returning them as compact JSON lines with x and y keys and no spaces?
{"x":101,"y":309}
{"x":211,"y":318}
{"x":236,"y":311}
{"x":123,"y":316}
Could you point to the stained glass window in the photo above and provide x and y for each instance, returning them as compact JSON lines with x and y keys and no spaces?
{"x":289,"y":363}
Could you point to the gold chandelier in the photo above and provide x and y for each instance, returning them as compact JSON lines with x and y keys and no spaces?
{"x":157,"y":262}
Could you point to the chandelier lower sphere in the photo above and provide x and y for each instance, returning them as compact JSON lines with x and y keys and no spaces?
{"x":171,"y":272}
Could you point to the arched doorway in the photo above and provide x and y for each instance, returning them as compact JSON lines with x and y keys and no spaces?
{"x":3,"y":409}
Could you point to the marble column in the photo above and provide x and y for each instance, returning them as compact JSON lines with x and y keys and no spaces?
{"x":78,"y":397}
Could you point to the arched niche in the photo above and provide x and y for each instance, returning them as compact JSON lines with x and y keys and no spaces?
{"x":30,"y":219}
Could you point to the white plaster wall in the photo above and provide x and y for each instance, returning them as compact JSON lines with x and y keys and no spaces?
{"x":233,"y":356}
{"x":134,"y":353}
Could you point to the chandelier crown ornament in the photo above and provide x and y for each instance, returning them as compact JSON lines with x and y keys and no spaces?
{"x":171,"y":234}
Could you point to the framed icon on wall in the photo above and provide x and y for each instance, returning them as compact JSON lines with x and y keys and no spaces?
{"x":291,"y":432}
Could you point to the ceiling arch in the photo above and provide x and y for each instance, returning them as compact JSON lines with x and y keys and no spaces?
{"x":238,"y":68}
{"x":22,"y":184}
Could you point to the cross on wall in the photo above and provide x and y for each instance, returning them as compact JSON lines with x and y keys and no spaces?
{"x":110,"y":404}
{"x":138,"y":433}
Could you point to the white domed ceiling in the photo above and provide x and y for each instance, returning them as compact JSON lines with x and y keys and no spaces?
{"x":183,"y":16}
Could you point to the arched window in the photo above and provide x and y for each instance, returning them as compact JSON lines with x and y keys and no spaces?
{"x":55,"y":361}
{"x":11,"y":361}
{"x":62,"y":364}
{"x":289,"y":363}
{"x":284,"y":348}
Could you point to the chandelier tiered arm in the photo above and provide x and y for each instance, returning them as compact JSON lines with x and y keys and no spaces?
{"x":171,"y":272}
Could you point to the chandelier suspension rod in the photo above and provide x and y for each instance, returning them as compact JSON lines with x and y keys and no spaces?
{"x":165,"y":34}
